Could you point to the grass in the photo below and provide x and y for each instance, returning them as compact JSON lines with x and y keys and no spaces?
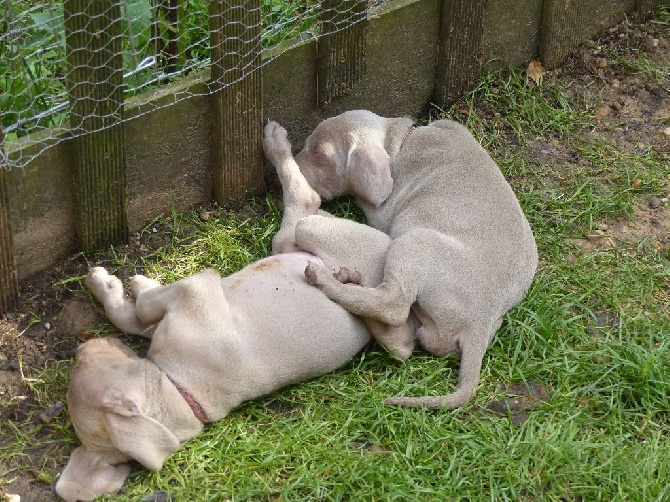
{"x":602,"y":435}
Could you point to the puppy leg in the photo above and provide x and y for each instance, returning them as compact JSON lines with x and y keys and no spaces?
{"x":299,"y":198}
{"x":200,"y":295}
{"x":119,"y":308}
{"x":140,"y":284}
{"x":389,"y":302}
{"x":343,"y":244}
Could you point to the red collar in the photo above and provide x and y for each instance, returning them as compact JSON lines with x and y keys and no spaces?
{"x":191,"y":401}
{"x":407,"y":135}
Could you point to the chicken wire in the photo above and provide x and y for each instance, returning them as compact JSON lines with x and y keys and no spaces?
{"x":161,"y":41}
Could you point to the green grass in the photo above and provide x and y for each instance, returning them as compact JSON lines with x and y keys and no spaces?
{"x":602,"y":434}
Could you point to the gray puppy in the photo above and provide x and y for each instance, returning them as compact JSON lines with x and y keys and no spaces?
{"x":462,"y":252}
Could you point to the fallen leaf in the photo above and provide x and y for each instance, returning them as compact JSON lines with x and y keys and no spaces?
{"x":602,"y":112}
{"x":48,"y":415}
{"x":535,"y":71}
{"x":84,"y":336}
{"x":526,"y":396}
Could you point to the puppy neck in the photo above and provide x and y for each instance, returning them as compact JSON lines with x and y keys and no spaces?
{"x":166,"y":404}
{"x":397,"y":130}
{"x":198,"y":412}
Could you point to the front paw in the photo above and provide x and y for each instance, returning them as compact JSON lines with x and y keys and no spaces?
{"x":139,"y":284}
{"x":103,"y":285}
{"x":275,"y":142}
{"x":310,"y":274}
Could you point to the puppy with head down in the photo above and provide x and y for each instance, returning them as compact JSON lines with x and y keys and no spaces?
{"x":462,"y":252}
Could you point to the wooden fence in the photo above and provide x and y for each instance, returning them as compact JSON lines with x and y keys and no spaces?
{"x":130,"y":165}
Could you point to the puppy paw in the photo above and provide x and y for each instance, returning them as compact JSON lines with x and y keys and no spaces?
{"x":346,"y":276}
{"x":310,"y":274}
{"x":275,"y":142}
{"x":139,"y":284}
{"x":103,"y":285}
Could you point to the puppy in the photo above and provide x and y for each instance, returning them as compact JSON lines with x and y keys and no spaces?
{"x":462,"y":252}
{"x":215,"y":343}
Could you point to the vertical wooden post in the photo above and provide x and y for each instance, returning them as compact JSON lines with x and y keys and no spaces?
{"x":341,"y":47}
{"x":237,"y":127}
{"x":9,"y":283}
{"x":459,"y":54}
{"x":647,"y":8}
{"x":562,"y":30}
{"x":95,"y":87}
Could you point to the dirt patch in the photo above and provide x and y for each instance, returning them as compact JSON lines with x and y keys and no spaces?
{"x":55,"y":316}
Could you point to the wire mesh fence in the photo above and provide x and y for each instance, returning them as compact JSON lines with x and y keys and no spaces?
{"x":135,"y":46}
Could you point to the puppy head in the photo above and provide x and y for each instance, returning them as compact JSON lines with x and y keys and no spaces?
{"x":106,"y":398}
{"x":346,"y":155}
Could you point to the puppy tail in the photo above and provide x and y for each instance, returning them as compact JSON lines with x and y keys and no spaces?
{"x":454,"y":400}
{"x":472,"y":353}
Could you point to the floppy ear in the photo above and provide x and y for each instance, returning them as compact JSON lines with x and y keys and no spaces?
{"x":135,"y":434}
{"x":369,"y":173}
{"x":89,"y":474}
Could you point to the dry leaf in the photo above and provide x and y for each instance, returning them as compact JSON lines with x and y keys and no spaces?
{"x":48,"y":415}
{"x":601,"y":112}
{"x":535,"y":71}
{"x":84,"y":335}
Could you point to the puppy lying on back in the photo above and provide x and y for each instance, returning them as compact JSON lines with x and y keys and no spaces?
{"x":215,"y":343}
{"x":462,"y":252}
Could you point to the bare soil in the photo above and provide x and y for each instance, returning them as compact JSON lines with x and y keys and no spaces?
{"x":55,"y":316}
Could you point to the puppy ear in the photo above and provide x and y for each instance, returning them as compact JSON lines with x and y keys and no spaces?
{"x":369,"y":173}
{"x":137,"y":435}
{"x":89,"y":474}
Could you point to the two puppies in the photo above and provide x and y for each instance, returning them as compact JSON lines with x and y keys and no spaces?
{"x":447,"y":253}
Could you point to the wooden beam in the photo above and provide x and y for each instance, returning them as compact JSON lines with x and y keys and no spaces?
{"x":460,"y":50}
{"x":95,"y":88}
{"x":237,"y":129}
{"x":648,"y":8}
{"x":9,"y":283}
{"x":341,"y":48}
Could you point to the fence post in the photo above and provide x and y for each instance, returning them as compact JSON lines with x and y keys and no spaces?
{"x":9,"y":283}
{"x":341,"y":47}
{"x":562,"y":30}
{"x":647,"y":8}
{"x":237,"y":127}
{"x":95,"y":88}
{"x":460,"y":51}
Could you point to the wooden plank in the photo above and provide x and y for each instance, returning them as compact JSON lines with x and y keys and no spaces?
{"x":9,"y":283}
{"x":460,"y":50}
{"x":568,"y":23}
{"x":562,"y":28}
{"x":648,"y":8}
{"x":341,"y":48}
{"x":237,"y":115}
{"x":95,"y":89}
